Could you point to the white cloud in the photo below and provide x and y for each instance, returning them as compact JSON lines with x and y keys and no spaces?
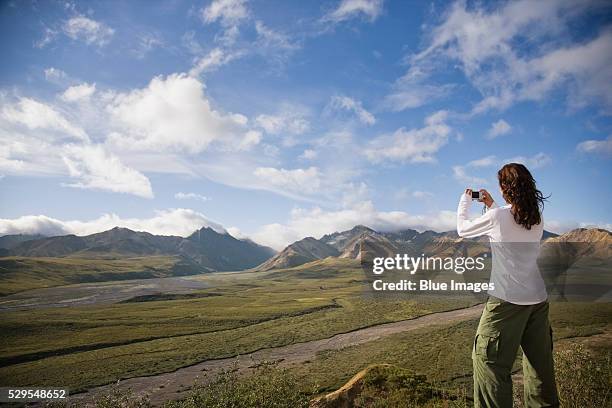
{"x":228,"y":36}
{"x":414,"y":145}
{"x":273,"y":45}
{"x":146,"y":42}
{"x":410,"y":91}
{"x":336,"y":140}
{"x":601,"y":225}
{"x":501,"y":127}
{"x":275,"y":124}
{"x":236,"y":233}
{"x":538,"y":160}
{"x":273,"y":39}
{"x":483,"y":162}
{"x":48,"y":36}
{"x":271,"y":173}
{"x":88,"y":30}
{"x":596,"y":146}
{"x":78,"y":93}
{"x":190,"y":196}
{"x":158,"y":128}
{"x":172,"y":113}
{"x":228,"y":12}
{"x":156,"y":162}
{"x":352,"y":105}
{"x":210,"y":62}
{"x":10,"y":165}
{"x":188,"y":40}
{"x":317,"y":222}
{"x":404,"y":194}
{"x":32,"y":153}
{"x":488,"y":44}
{"x":354,"y":193}
{"x":533,"y":162}
{"x":289,"y":122}
{"x":586,"y":68}
{"x":308,"y":154}
{"x":460,"y":175}
{"x":36,"y":115}
{"x":251,"y":138}
{"x":403,"y":98}
{"x":36,"y":139}
{"x":270,"y":150}
{"x":32,"y":224}
{"x":561,"y":227}
{"x":179,"y":221}
{"x":460,"y":171}
{"x":297,"y":181}
{"x":96,"y":169}
{"x":54,"y":74}
{"x":422,"y":194}
{"x":347,"y":9}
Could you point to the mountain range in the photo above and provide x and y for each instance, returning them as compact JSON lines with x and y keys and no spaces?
{"x":350,"y":243}
{"x":214,"y":251}
{"x":207,"y":248}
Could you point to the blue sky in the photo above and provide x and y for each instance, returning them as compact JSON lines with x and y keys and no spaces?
{"x":278,"y":120}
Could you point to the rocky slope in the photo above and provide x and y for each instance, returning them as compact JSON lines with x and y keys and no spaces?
{"x":352,"y":244}
{"x":298,"y":253}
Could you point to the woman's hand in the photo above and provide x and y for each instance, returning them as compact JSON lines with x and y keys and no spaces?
{"x":485,"y":197}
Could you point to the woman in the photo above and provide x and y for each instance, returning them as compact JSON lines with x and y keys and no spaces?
{"x":516,"y":313}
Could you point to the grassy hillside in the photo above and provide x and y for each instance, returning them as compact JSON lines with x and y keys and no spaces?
{"x":242,"y":312}
{"x":93,"y":345}
{"x":22,"y":273}
{"x":442,"y":353}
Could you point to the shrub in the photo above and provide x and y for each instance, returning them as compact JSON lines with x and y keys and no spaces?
{"x":583,"y":379}
{"x":267,"y":387}
{"x":390,"y":386}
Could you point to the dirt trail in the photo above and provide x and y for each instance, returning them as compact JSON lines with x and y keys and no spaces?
{"x":176,"y":384}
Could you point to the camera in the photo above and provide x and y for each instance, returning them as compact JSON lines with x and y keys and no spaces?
{"x":475,"y":195}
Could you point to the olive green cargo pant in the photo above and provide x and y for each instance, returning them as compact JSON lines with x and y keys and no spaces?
{"x":502,"y":329}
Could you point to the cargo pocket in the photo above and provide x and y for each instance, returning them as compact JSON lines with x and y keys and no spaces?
{"x":494,"y":303}
{"x":486,"y":347}
{"x":551,"y":336}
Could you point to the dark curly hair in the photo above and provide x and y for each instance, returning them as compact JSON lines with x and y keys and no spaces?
{"x":519,"y":189}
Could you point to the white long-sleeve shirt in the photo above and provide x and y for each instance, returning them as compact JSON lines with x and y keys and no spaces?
{"x":514,"y":249}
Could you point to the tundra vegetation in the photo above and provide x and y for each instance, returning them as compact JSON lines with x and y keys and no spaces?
{"x":238,"y":313}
